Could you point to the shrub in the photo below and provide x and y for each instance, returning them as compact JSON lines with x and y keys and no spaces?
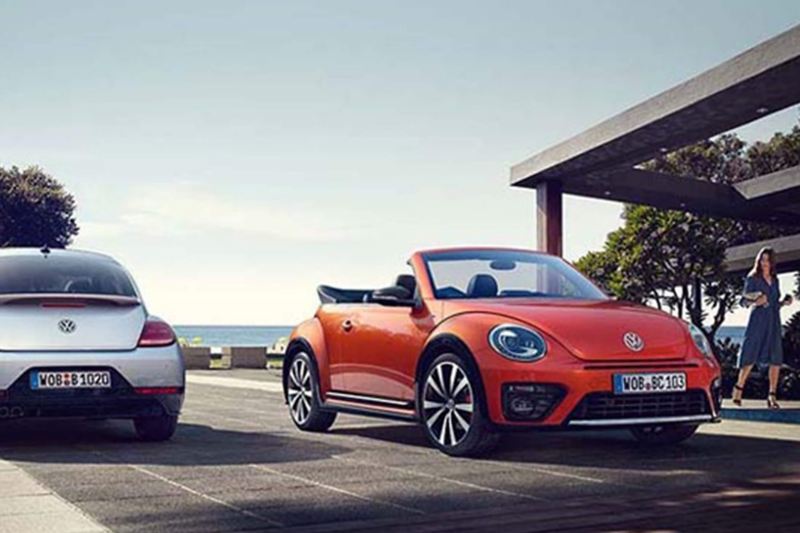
{"x":791,"y":342}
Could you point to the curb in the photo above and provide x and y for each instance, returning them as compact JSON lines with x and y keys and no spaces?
{"x":782,"y":416}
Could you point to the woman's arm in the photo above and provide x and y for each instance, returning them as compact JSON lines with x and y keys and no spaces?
{"x":750,"y":286}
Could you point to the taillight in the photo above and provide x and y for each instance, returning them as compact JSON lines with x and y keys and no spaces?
{"x":63,"y":305}
{"x":156,"y":333}
{"x":150,"y":391}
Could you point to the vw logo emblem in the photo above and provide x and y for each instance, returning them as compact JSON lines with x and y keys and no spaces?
{"x":633,"y":341}
{"x":66,"y":326}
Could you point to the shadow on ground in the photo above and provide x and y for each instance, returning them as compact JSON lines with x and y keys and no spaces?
{"x":97,"y":442}
{"x":617,"y":449}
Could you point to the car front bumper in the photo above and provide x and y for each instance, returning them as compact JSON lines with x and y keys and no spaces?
{"x":145,"y":382}
{"x":581,"y":395}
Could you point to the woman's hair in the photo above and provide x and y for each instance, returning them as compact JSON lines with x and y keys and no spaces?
{"x":757,"y":265}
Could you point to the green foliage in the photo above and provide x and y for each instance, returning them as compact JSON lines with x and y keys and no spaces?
{"x":35,"y":210}
{"x":187,"y":342}
{"x":727,"y":352}
{"x":791,"y":342}
{"x":657,"y":255}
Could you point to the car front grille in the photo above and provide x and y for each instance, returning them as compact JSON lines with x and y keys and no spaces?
{"x":607,"y":406}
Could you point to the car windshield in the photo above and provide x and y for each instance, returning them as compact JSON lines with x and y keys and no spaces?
{"x":59,"y":274}
{"x":506,"y":274}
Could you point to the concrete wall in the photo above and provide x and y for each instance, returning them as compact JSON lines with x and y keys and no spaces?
{"x":247,"y":356}
{"x":196,"y":357}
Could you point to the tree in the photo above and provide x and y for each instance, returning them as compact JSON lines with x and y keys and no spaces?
{"x":35,"y":210}
{"x":661,"y":256}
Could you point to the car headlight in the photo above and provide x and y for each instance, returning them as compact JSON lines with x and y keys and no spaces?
{"x":517,"y":343}
{"x":701,"y":341}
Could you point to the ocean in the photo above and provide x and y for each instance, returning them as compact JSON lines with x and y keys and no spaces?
{"x":734,"y":333}
{"x":218,"y":336}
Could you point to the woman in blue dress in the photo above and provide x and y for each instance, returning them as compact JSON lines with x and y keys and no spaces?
{"x":762,"y":338}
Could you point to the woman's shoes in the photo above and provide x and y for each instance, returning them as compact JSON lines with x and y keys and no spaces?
{"x":772,"y":401}
{"x":737,"y":401}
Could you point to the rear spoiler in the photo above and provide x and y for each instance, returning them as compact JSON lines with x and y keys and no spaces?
{"x":62,"y":297}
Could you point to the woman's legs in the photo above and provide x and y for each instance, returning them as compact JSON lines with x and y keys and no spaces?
{"x":744,"y":372}
{"x":774,"y":374}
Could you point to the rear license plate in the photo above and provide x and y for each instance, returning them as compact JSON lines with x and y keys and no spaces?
{"x":649,"y":383}
{"x":96,"y":379}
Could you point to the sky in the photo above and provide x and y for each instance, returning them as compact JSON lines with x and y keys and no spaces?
{"x":234,"y":155}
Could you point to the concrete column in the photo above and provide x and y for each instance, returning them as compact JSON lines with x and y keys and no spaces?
{"x":549,"y":218}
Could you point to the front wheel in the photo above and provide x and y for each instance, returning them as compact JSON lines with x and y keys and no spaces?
{"x":665,"y":434}
{"x":302,"y":391}
{"x":156,"y":428}
{"x":451,"y":409}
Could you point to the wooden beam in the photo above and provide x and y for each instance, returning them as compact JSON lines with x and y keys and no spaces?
{"x":549,"y":217}
{"x":772,"y":191}
{"x":757,"y":82}
{"x":787,"y":250}
{"x":667,"y":191}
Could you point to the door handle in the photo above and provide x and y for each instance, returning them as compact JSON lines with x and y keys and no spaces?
{"x":347,"y":325}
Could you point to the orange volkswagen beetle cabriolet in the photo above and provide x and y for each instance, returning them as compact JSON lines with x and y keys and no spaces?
{"x":481,"y":340}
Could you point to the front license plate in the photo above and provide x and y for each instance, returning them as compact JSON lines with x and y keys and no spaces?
{"x":71,"y":380}
{"x":648,"y":383}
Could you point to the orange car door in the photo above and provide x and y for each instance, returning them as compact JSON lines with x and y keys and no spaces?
{"x":335,"y":320}
{"x":380,"y":348}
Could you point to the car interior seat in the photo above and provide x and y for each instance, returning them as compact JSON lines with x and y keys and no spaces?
{"x":408,"y":282}
{"x":482,"y":286}
{"x":79,"y":286}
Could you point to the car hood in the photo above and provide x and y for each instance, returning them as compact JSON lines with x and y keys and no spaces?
{"x":592,"y":330}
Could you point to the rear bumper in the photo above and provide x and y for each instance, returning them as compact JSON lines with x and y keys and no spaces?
{"x":117,"y":406}
{"x":143,"y":368}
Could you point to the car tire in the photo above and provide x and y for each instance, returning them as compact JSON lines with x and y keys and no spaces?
{"x":664,"y":434}
{"x":452,"y":409}
{"x":302,"y":394}
{"x":156,"y":428}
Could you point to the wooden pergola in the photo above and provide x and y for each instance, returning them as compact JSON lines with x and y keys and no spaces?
{"x":602,"y":161}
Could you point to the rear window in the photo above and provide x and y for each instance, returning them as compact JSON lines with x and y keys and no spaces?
{"x":63,"y":275}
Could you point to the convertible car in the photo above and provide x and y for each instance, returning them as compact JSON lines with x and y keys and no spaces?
{"x":478,"y":341}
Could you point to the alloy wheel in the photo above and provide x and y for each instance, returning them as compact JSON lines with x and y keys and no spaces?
{"x":300,"y":390}
{"x":448,"y":403}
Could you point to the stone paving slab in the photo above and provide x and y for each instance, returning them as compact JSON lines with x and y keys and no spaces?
{"x":238,"y":463}
{"x":28,"y":506}
{"x":233,"y":382}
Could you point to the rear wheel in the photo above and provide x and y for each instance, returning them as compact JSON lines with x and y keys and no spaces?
{"x":156,"y":428}
{"x":665,"y":434}
{"x":302,"y":394}
{"x":452,"y":411}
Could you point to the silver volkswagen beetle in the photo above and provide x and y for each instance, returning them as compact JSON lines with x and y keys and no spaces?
{"x":76,"y":341}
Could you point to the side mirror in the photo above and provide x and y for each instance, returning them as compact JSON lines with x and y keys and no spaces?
{"x":394,"y":296}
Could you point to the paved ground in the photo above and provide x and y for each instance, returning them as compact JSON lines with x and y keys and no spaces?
{"x":27,"y":505}
{"x":756,"y":411}
{"x":237,"y":463}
